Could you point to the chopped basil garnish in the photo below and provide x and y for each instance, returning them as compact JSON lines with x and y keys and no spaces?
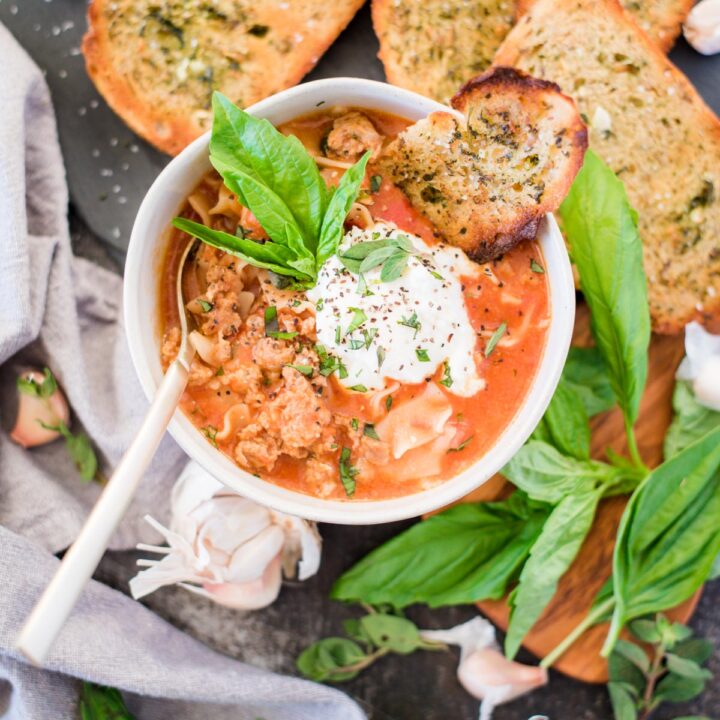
{"x":380,"y":356}
{"x":319,"y":304}
{"x":338,"y":335}
{"x":370,"y":431}
{"x":302,"y":369}
{"x":388,"y":402}
{"x":536,"y":266}
{"x":359,"y":388}
{"x":220,"y":371}
{"x":357,"y":344}
{"x":282,"y":335}
{"x":205,"y":305}
{"x":354,"y":424}
{"x":375,"y":183}
{"x":369,"y":335}
{"x":347,"y":472}
{"x":271,"y":321}
{"x":411,"y":322}
{"x":462,"y":445}
{"x":359,"y":317}
{"x":422,"y":354}
{"x":447,"y":380}
{"x":210,"y":432}
{"x":495,"y":339}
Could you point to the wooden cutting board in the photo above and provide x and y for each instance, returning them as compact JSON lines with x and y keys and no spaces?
{"x":593,"y":564}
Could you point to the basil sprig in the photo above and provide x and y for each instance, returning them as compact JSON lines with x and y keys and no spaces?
{"x":601,"y":228}
{"x":467,"y":553}
{"x":275,"y":177}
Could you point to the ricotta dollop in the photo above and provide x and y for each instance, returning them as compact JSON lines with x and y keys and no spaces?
{"x":403,"y":329}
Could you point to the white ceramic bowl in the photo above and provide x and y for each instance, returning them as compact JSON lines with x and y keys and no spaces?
{"x":142,"y":269}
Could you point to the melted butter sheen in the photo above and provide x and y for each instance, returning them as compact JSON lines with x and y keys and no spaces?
{"x":442,"y":331}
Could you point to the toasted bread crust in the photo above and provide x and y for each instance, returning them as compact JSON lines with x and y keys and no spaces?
{"x":486,"y":183}
{"x":661,"y":19}
{"x":655,"y":132}
{"x":433,"y":46}
{"x":150,"y":89}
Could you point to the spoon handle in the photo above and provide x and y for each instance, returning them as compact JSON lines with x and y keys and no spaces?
{"x":80,"y":561}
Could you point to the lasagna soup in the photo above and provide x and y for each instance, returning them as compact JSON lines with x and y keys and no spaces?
{"x":380,"y":380}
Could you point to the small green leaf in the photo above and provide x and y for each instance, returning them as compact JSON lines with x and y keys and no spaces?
{"x":411,"y":322}
{"x":397,"y":634}
{"x":623,"y":703}
{"x":375,"y":183}
{"x":43,"y":389}
{"x":686,"y":668}
{"x":394,"y":266}
{"x":495,"y":339}
{"x":422,"y":355}
{"x":462,"y":445}
{"x":205,"y":305}
{"x":535,"y":266}
{"x":102,"y":703}
{"x":388,"y":402}
{"x":634,"y":653}
{"x":690,"y":422}
{"x":446,"y":380}
{"x":282,"y":335}
{"x":210,"y":431}
{"x":331,"y":659}
{"x":271,"y":321}
{"x":359,"y":388}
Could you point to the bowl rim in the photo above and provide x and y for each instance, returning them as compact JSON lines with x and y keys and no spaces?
{"x":348,"y":512}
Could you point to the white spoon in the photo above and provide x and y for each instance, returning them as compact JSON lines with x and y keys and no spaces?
{"x":77,"y":566}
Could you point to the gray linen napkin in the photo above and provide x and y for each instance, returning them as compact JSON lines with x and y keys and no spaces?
{"x":63,"y":311}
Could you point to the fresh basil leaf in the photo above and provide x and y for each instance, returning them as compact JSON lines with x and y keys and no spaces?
{"x":586,"y":372}
{"x":269,"y":255}
{"x":698,"y":650}
{"x":601,"y":228}
{"x":102,"y":703}
{"x":269,"y":209}
{"x":634,"y":653}
{"x":468,"y":553}
{"x":552,"y":554}
{"x":338,"y":208}
{"x":566,"y":421}
{"x":377,"y":257}
{"x":397,"y":634}
{"x":329,"y":658}
{"x":547,"y":475}
{"x":676,"y":688}
{"x":690,"y":422}
{"x":394,"y":266}
{"x":347,"y":472}
{"x":669,"y":536}
{"x":623,"y":704}
{"x":306,"y":370}
{"x":495,"y":339}
{"x":280,"y":162}
{"x":685,"y":668}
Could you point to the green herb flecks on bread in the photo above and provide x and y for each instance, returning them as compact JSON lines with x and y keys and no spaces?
{"x":652,"y":128}
{"x":157,"y":62}
{"x":486,"y":182}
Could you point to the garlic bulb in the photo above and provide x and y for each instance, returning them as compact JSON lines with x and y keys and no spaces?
{"x":226,"y":547}
{"x":483,"y":670}
{"x":701,"y":365}
{"x":702,"y":27}
{"x":41,"y":406}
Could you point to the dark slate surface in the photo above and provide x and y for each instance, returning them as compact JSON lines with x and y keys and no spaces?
{"x":109,"y":169}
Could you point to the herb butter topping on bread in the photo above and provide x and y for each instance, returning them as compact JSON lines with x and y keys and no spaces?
{"x":661,"y":19}
{"x":434,"y":46}
{"x":652,"y":128}
{"x":157,"y":62}
{"x":486,"y":181}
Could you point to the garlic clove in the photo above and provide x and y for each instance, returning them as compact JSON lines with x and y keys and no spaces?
{"x":303,"y":546}
{"x":251,"y":558}
{"x":702,"y":27}
{"x":488,"y":674}
{"x":706,"y":385}
{"x":250,"y":595}
{"x":32,"y":411}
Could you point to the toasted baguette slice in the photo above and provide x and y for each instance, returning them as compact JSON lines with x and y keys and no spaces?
{"x":485,"y":182}
{"x":157,"y":62}
{"x":650,"y":125}
{"x":661,"y":19}
{"x":434,"y":46}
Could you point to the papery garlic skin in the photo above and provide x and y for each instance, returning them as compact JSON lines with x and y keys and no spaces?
{"x":34,"y":411}
{"x":701,"y":365}
{"x":226,"y":547}
{"x":702,"y":27}
{"x":483,"y":670}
